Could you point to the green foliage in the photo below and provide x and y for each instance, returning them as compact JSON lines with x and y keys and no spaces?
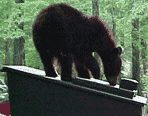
{"x":3,"y":91}
{"x":122,"y":12}
{"x":32,"y":59}
{"x":144,"y":80}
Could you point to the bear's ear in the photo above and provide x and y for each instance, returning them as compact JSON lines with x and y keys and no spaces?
{"x":117,"y":51}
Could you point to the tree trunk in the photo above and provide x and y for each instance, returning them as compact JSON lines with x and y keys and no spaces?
{"x":122,"y":67}
{"x":7,"y":58}
{"x":135,"y":53}
{"x":95,"y":8}
{"x":19,"y":52}
{"x":144,"y":60}
{"x":7,"y":55}
{"x":95,"y":12}
{"x":111,"y":10}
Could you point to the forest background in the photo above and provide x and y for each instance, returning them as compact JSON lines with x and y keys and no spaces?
{"x":128,"y":20}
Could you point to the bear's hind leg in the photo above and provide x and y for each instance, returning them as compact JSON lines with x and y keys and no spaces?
{"x":80,"y":67}
{"x":48,"y":60}
{"x":93,"y":66}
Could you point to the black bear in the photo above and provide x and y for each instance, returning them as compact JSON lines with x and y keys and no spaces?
{"x":61,"y":31}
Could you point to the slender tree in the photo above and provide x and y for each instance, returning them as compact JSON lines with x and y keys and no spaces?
{"x":135,"y":53}
{"x":95,"y":12}
{"x":19,"y":53}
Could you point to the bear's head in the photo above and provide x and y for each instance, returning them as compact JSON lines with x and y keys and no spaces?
{"x":112,"y":65}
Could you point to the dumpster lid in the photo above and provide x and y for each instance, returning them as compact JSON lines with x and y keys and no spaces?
{"x":94,"y":84}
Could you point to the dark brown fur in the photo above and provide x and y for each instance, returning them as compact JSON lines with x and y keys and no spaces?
{"x":65,"y":33}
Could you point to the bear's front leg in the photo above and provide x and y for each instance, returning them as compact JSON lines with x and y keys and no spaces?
{"x":66,"y":67}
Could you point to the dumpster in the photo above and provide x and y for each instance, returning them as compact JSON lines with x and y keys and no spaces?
{"x":31,"y":93}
